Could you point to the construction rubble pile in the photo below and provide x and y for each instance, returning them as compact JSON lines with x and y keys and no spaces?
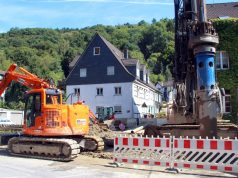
{"x":107,"y":135}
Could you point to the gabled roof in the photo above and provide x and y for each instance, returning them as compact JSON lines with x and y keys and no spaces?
{"x":222,"y":10}
{"x":119,"y":57}
{"x":117,"y":53}
{"x":115,"y":50}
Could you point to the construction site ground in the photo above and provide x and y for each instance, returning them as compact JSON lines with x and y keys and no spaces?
{"x":88,"y":167}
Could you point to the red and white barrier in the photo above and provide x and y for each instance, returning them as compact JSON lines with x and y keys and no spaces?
{"x":142,"y":150}
{"x":207,"y":154}
{"x":190,"y":153}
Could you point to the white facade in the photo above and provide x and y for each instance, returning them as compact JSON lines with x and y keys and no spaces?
{"x":131,"y":99}
{"x":143,"y":95}
{"x":88,"y":93}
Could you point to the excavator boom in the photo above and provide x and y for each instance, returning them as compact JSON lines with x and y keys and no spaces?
{"x":23,"y":77}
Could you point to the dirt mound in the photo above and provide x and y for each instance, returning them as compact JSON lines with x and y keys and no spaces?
{"x":102,"y":131}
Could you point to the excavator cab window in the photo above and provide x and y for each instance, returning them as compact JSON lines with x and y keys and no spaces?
{"x":32,"y":108}
{"x":52,"y":99}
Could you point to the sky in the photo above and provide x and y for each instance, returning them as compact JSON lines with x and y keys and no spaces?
{"x":82,"y":13}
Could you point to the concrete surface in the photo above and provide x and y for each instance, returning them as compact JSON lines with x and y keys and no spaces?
{"x":86,"y":167}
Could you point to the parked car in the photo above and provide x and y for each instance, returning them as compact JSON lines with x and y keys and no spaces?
{"x":5,"y":121}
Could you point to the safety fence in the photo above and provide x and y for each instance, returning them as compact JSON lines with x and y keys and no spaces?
{"x":189,"y":153}
{"x":139,"y":150}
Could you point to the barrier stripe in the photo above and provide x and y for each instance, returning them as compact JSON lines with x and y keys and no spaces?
{"x":200,"y":144}
{"x":125,"y":141}
{"x":135,"y":142}
{"x":228,"y":169}
{"x":186,"y":144}
{"x":213,"y":144}
{"x":157,"y":143}
{"x":146,"y":142}
{"x":228,"y":145}
{"x":167,"y":143}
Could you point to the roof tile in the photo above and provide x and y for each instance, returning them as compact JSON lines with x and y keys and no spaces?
{"x":219,"y":10}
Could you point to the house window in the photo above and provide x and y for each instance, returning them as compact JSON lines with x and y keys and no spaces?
{"x":96,"y":51}
{"x":222,"y":60}
{"x":83,"y":72}
{"x":110,"y":70}
{"x":77,"y":91}
{"x":117,"y":90}
{"x":99,"y":91}
{"x":99,"y":109}
{"x":117,"y":109}
{"x":227,"y":101}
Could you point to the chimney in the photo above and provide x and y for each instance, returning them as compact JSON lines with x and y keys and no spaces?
{"x":126,"y":55}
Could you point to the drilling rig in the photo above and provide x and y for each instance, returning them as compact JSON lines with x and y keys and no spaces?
{"x":197,"y":104}
{"x":194,"y":69}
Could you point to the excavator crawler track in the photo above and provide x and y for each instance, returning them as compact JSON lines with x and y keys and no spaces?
{"x":93,"y":143}
{"x":57,"y":149}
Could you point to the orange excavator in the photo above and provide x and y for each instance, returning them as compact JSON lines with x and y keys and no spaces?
{"x":52,"y":130}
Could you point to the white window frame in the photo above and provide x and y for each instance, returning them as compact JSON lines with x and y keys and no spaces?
{"x":99,"y":91}
{"x":83,"y":72}
{"x":225,"y":102}
{"x":118,"y":91}
{"x":110,"y":70}
{"x":77,"y":91}
{"x":94,"y":51}
{"x":117,"y":109}
{"x":221,"y":59}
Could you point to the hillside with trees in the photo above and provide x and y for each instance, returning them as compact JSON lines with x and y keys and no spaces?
{"x":48,"y":52}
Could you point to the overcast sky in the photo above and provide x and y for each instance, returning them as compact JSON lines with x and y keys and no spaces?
{"x":82,"y":13}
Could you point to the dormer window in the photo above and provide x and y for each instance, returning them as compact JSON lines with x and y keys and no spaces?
{"x":96,"y":51}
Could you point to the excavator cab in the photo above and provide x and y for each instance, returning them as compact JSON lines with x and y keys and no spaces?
{"x":36,"y":101}
{"x":32,"y":108}
{"x":41,"y":109}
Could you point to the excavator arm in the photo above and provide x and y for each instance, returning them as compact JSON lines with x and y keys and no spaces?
{"x":23,"y":77}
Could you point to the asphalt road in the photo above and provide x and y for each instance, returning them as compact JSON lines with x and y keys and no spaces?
{"x":86,"y":167}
